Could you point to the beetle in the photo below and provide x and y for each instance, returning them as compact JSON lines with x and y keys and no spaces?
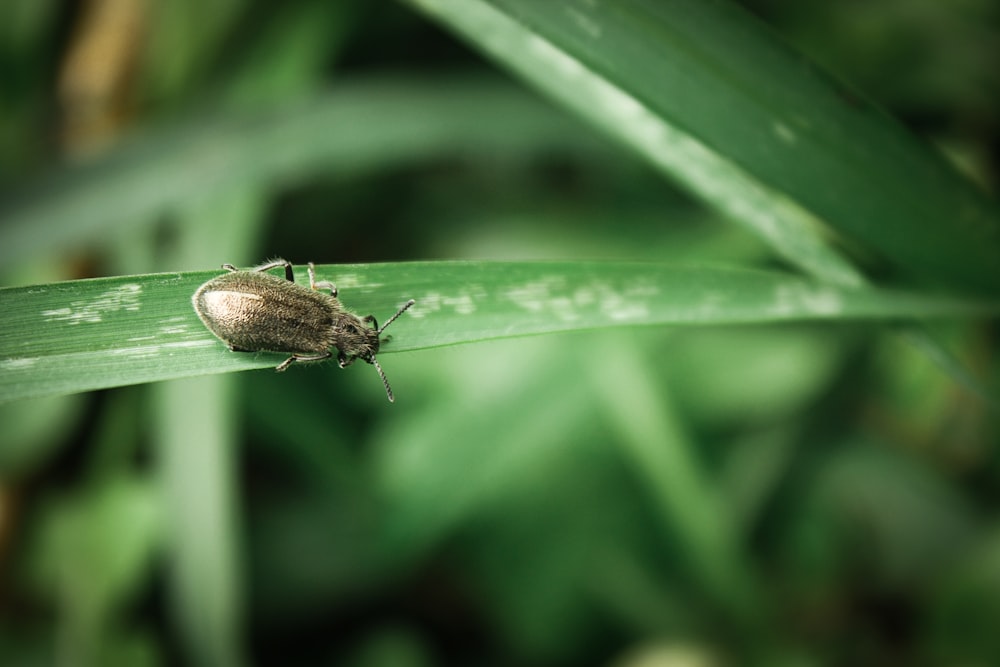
{"x":254,"y":311}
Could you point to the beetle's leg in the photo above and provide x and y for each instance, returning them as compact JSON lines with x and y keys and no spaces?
{"x":273,"y":264}
{"x":344,"y":361}
{"x":229,"y":267}
{"x":370,"y":319}
{"x":301,"y":358}
{"x":323,"y":284}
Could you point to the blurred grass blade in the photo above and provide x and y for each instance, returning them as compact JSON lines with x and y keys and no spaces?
{"x":665,"y":460}
{"x":196,"y":445}
{"x":705,"y":93}
{"x":357,"y":127}
{"x":922,"y":339}
{"x":196,"y":438}
{"x":88,"y":334}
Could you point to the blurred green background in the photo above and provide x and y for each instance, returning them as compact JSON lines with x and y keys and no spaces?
{"x":804,"y":494}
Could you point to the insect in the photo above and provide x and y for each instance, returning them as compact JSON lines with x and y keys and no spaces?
{"x":254,"y":311}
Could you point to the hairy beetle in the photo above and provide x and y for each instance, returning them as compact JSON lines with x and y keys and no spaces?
{"x":254,"y":311}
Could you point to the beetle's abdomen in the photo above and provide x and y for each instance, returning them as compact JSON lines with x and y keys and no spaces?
{"x":256,"y":311}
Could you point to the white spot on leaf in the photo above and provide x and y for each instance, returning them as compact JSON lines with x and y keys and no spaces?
{"x":123,"y":297}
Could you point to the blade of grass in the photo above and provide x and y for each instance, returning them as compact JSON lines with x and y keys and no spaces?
{"x":196,"y":452}
{"x":196,"y":440}
{"x":665,"y":461}
{"x":88,"y":334}
{"x":705,"y":93}
{"x":354,"y":128}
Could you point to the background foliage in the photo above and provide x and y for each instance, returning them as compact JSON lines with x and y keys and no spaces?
{"x":785,"y":493}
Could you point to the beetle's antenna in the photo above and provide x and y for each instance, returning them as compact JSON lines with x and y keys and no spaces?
{"x":385,"y":381}
{"x":390,"y":321}
{"x":374,"y":361}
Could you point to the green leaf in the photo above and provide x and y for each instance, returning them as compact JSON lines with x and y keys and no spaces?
{"x":706,"y":94}
{"x":88,"y":334}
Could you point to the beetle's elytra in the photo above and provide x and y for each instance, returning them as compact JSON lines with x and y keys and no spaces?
{"x":254,"y":311}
